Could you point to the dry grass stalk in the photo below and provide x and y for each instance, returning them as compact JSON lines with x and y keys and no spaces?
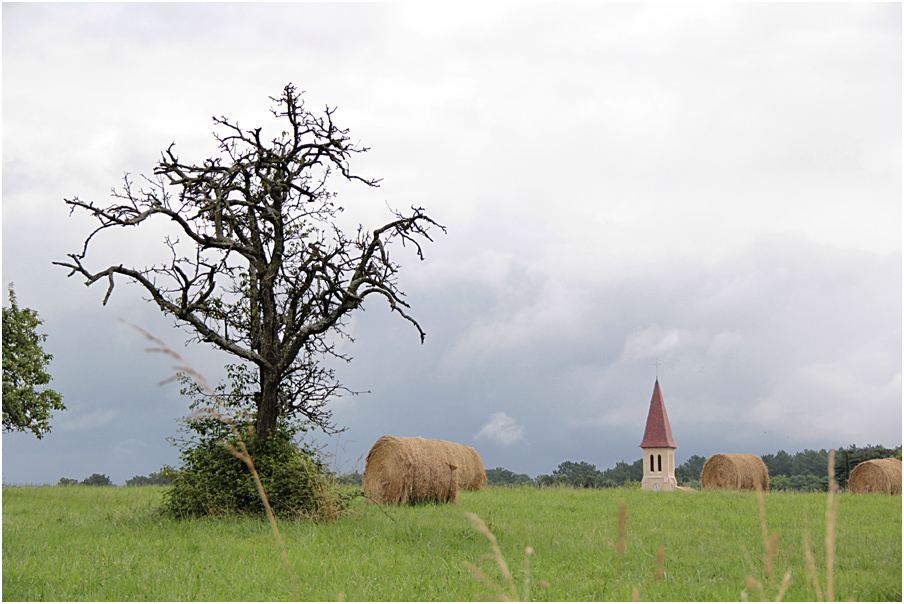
{"x":660,"y":562}
{"x":741,"y":472}
{"x":770,"y":546}
{"x":812,"y":579}
{"x":500,"y":562}
{"x":497,"y":554}
{"x":501,"y":595}
{"x":622,"y":524}
{"x":876,"y":476}
{"x":478,"y":574}
{"x":184,"y":367}
{"x":245,"y":457}
{"x":770,"y":542}
{"x":786,"y":581}
{"x":751,"y":585}
{"x":413,"y":470}
{"x":525,"y":586}
{"x":831,"y":513}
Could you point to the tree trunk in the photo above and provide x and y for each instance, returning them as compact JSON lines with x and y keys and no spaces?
{"x":268,"y":405}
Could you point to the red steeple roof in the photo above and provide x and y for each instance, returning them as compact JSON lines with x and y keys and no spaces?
{"x":658,"y":433}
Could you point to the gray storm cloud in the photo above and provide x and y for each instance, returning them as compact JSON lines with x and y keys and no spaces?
{"x":714,"y":189}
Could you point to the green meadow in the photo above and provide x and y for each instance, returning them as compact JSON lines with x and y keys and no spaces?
{"x":96,"y":543}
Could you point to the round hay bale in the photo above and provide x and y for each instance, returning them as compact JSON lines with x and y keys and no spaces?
{"x":470,"y":474}
{"x":876,"y":476}
{"x":415,"y":470}
{"x":735,"y":472}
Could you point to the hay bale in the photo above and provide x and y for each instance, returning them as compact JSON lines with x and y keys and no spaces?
{"x":876,"y":476}
{"x":736,"y":472}
{"x":414,"y":470}
{"x":470,"y":474}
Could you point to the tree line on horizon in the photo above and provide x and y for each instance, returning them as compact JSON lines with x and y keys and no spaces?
{"x":806,"y":471}
{"x":161,"y":478}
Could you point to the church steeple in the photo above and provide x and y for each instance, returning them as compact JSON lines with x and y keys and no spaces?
{"x":658,"y":448}
{"x":658,"y":432}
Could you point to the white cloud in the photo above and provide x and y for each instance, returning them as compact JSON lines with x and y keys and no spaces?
{"x":501,"y":429}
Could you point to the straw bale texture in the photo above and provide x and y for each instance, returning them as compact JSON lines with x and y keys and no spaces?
{"x":470,"y":475}
{"x":736,"y":472}
{"x":876,"y":476}
{"x":414,"y":470}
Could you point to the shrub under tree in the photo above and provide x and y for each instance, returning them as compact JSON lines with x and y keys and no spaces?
{"x":212,"y":480}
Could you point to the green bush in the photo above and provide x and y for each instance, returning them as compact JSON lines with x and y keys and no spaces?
{"x":801,"y":483}
{"x":98,"y":480}
{"x":214,"y":481}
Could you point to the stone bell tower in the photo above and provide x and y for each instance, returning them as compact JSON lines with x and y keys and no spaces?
{"x":658,"y":448}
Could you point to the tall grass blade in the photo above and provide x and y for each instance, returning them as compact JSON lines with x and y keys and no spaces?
{"x":184,"y":367}
{"x":831,"y":513}
{"x":497,"y":553}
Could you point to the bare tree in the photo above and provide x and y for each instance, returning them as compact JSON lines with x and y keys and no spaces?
{"x":264,"y":272}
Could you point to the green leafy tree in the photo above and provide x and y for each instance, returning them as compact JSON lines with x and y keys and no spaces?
{"x":27,"y":403}
{"x":810,"y":463}
{"x":576,"y":474}
{"x":778,"y":464}
{"x":258,"y":264}
{"x":98,"y":480}
{"x":67,"y":482}
{"x":623,"y":472}
{"x":690,"y":470}
{"x":354,"y":479}
{"x":503,"y":477}
{"x":155,"y":479}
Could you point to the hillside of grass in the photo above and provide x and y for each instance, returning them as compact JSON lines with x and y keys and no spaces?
{"x":90,"y":543}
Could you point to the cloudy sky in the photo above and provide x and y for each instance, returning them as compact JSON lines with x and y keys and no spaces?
{"x":713,"y":188}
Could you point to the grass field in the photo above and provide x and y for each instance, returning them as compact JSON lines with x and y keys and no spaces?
{"x":95,"y":543}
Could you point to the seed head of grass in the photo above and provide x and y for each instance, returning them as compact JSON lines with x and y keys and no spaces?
{"x":241,"y":453}
{"x":510,"y":595}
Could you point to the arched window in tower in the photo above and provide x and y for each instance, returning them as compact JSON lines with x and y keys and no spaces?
{"x":651,"y":462}
{"x":659,"y":460}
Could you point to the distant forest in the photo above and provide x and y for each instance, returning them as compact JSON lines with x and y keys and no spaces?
{"x":804,"y":471}
{"x":807,"y":470}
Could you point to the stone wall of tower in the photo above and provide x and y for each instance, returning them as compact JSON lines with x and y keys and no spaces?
{"x":658,"y":470}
